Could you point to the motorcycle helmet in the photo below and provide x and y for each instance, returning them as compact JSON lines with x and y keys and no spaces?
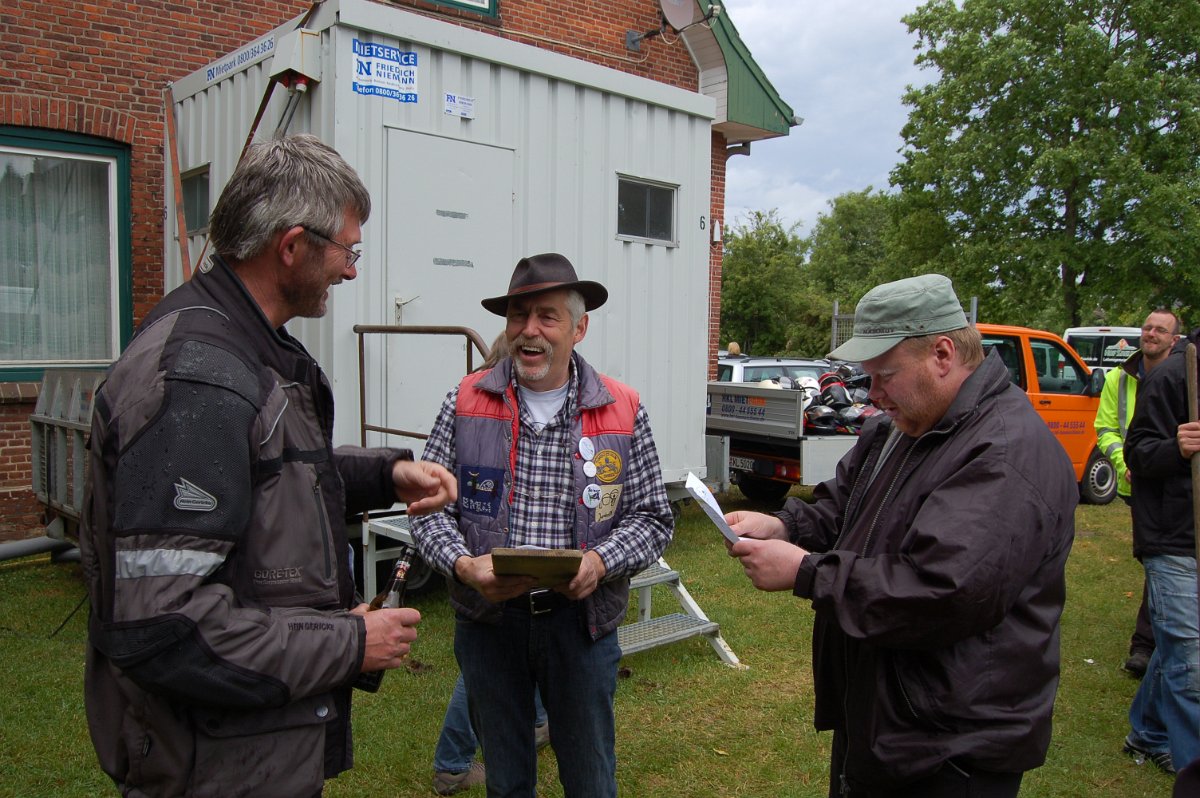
{"x":821,"y":419}
{"x":855,"y":415}
{"x":835,"y":395}
{"x":829,"y":378}
{"x":853,"y":376}
{"x":811,"y":390}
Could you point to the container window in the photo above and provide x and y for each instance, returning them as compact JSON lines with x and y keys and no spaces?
{"x":646,"y":211}
{"x":195,"y":201}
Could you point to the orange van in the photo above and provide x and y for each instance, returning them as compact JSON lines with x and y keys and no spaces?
{"x":1065,"y":394}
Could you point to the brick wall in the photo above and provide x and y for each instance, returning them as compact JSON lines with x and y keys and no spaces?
{"x":716,"y":250}
{"x":99,"y":69}
{"x":19,"y":513}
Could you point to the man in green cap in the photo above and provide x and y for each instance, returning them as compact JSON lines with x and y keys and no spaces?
{"x":933,"y":560}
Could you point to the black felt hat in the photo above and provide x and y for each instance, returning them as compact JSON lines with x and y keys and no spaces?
{"x":547,"y":272}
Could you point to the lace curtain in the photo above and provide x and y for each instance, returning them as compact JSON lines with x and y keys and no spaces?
{"x":56,"y":258}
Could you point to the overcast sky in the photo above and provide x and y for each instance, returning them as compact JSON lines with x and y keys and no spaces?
{"x":843,"y":66}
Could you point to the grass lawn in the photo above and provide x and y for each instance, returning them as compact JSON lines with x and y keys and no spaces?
{"x":687,"y":725}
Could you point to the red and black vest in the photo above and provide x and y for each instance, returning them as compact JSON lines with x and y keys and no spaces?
{"x":487,"y":429}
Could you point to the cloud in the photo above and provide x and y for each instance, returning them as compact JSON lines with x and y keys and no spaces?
{"x":843,"y":65}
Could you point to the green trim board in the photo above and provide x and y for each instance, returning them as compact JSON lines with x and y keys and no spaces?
{"x":752,"y":101}
{"x":485,"y":7}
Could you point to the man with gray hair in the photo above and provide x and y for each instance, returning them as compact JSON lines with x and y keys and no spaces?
{"x":933,"y":560}
{"x":548,"y":453}
{"x":222,"y":641}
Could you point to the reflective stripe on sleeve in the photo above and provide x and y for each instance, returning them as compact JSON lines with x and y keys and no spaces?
{"x":166,"y":562}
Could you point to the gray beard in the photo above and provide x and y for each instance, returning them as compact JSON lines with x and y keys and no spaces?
{"x":533,"y":375}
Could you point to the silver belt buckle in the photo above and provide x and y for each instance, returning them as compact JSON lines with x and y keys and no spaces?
{"x":534,"y":596}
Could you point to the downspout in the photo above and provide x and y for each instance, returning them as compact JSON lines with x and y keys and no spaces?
{"x":12,"y":549}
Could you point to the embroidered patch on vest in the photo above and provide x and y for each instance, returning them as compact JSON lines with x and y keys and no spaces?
{"x":608,"y":465}
{"x":610,"y":497}
{"x":479,"y":490}
{"x":188,"y":496}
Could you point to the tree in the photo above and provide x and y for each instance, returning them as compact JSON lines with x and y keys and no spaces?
{"x":1056,"y":160}
{"x":848,"y":254}
{"x":760,"y":280}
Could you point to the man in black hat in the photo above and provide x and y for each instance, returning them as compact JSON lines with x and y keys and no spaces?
{"x":933,"y":560}
{"x":552,"y":454}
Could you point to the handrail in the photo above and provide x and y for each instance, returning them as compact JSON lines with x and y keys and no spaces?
{"x":361,"y":330}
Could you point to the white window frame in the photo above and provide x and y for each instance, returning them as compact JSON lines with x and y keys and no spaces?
{"x":673,"y":241}
{"x":114,"y":282}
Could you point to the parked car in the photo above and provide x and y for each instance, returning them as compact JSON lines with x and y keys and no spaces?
{"x":744,"y":368}
{"x":1065,"y":393}
{"x":1104,"y":347}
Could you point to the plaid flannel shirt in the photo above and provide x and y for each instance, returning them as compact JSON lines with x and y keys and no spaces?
{"x":543,"y":508}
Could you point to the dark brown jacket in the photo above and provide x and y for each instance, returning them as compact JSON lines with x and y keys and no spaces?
{"x":215,"y":553}
{"x":937,"y":618}
{"x":1162,"y":477}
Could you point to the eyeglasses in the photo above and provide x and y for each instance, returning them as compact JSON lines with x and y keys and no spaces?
{"x":352,"y":255}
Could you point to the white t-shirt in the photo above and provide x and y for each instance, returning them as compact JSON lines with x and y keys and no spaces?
{"x":543,"y":405}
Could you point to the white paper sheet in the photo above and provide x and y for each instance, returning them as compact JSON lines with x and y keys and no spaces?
{"x":708,"y":503}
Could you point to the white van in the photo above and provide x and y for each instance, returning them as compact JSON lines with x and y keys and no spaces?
{"x":1104,"y":347}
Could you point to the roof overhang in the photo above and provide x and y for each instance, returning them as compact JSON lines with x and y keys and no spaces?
{"x":748,"y":106}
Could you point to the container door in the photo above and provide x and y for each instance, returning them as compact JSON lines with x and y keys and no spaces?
{"x":449,"y":233}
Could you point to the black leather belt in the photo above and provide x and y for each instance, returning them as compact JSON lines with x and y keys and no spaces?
{"x":539,"y":602}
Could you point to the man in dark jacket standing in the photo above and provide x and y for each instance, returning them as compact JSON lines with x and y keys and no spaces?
{"x":222,"y":644}
{"x":1165,"y":714}
{"x":1117,"y":402}
{"x":934,"y":561}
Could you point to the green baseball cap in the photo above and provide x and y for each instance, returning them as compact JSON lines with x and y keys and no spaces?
{"x":889,"y":313}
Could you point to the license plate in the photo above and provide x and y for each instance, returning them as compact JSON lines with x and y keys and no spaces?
{"x":741,"y":463}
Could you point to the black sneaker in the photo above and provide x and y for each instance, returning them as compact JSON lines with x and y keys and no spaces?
{"x":1137,"y":663}
{"x":1140,"y":755}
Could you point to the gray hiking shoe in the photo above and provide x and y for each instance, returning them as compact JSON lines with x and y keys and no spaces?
{"x":450,"y":783}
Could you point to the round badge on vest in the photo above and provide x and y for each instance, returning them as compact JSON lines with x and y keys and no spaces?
{"x":589,"y":469}
{"x":587,"y":449}
{"x":591,"y":497}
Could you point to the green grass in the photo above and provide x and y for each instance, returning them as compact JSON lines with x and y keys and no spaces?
{"x":687,"y":725}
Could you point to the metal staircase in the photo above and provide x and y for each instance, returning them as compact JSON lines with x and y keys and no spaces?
{"x":646,"y":632}
{"x":649,"y":631}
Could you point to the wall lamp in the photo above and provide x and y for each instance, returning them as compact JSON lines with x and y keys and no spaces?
{"x":633,"y":39}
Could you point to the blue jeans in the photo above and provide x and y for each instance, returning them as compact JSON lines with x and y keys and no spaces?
{"x":1165,"y":715}
{"x":456,"y":744}
{"x":501,"y":665}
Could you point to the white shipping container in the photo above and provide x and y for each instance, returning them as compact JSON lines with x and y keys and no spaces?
{"x":477,"y":151}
